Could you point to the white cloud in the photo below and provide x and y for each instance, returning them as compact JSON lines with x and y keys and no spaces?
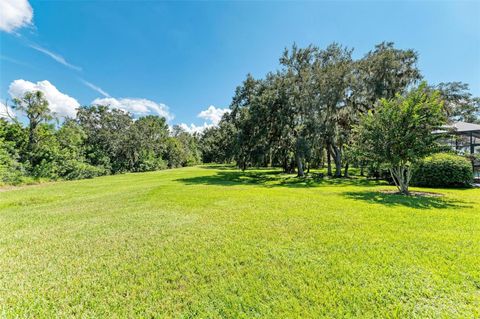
{"x":57,"y":57}
{"x":59,"y":103}
{"x":136,"y":106}
{"x":192,"y":128}
{"x":213,"y":114}
{"x":95,"y":88}
{"x":15,"y":14}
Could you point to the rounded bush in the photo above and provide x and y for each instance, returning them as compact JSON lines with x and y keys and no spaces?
{"x":72,"y":169}
{"x":443,"y":170}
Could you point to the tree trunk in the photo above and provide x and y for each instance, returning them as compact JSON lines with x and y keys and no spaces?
{"x":401,"y":177}
{"x":337,"y":158}
{"x":378,"y":172}
{"x":329,"y":161}
{"x":292,"y":166}
{"x":299,"y":165}
{"x":362,"y":170}
{"x":346,"y":170}
{"x":32,"y":142}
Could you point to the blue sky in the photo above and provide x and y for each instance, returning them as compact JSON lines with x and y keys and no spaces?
{"x":190,"y":55}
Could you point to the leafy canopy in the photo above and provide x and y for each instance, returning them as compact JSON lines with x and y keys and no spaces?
{"x":399,"y":131}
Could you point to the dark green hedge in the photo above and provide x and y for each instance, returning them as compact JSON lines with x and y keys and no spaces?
{"x":443,"y":170}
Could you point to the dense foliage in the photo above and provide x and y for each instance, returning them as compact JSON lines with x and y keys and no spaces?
{"x":99,"y":141}
{"x":443,"y":170}
{"x":302,"y":115}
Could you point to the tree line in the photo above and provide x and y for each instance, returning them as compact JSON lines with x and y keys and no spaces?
{"x":303,"y":115}
{"x":320,"y":108}
{"x":98,"y":141}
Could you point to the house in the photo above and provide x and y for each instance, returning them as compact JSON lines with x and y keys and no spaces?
{"x":465,"y":139}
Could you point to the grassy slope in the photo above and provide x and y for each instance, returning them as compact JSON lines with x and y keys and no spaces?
{"x":203,"y":242}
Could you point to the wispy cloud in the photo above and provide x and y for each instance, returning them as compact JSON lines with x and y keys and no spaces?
{"x":11,"y":60}
{"x":60,"y":59}
{"x":95,"y":88}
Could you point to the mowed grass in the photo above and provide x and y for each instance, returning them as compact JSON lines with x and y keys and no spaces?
{"x":213,"y":242}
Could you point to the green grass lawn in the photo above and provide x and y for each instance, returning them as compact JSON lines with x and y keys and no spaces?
{"x":213,"y":242}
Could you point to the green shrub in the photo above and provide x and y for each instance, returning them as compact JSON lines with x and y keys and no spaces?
{"x":46,"y":169}
{"x":73,"y":169}
{"x":149,"y":161}
{"x":443,"y":170}
{"x":11,"y":171}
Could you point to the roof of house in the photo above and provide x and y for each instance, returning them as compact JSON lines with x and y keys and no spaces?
{"x":463,"y":127}
{"x":460,"y":128}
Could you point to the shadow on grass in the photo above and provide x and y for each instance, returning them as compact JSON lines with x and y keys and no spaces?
{"x":217,"y":166}
{"x":272,"y":178}
{"x":418,"y":202}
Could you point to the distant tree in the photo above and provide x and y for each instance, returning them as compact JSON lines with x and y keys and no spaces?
{"x":147,"y":143}
{"x":298,"y":74}
{"x":311,"y":103}
{"x":211,"y":147}
{"x":98,"y":141}
{"x":459,"y":103}
{"x":399,"y":132}
{"x":182,"y":149}
{"x":35,"y":107}
{"x":47,"y":157}
{"x":333,"y":80}
{"x":240,"y":118}
{"x":217,"y":143}
{"x":11,"y":169}
{"x":383,"y":73}
{"x":174,"y":155}
{"x":71,"y":160}
{"x":71,"y":138}
{"x":108,"y":135}
{"x":283,"y":136}
{"x":17,"y":136}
